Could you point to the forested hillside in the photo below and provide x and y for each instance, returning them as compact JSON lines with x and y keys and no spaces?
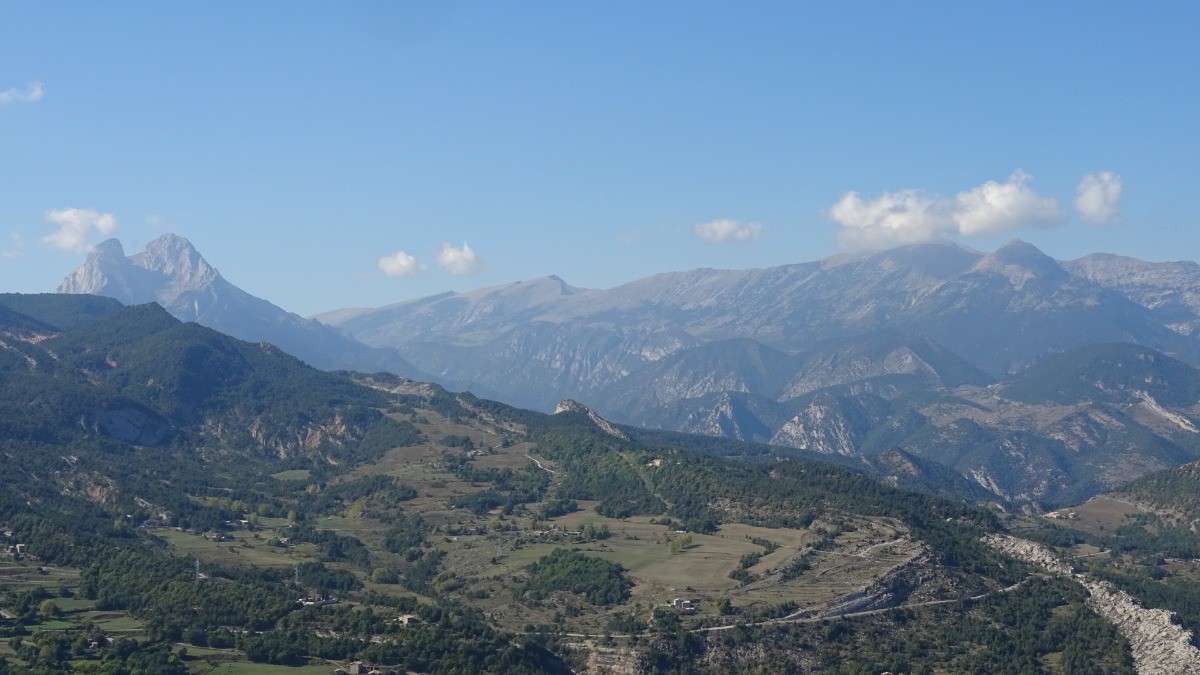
{"x":171,"y":492}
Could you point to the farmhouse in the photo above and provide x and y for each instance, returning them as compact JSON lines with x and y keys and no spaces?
{"x":683,"y":605}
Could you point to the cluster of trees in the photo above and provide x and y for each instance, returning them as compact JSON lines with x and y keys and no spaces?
{"x":382,"y":493}
{"x":742,"y":573}
{"x":334,"y":547}
{"x":405,"y":534}
{"x":446,"y":638}
{"x":558,"y":507}
{"x":510,"y":489}
{"x":600,"y":581}
{"x":1170,"y":541}
{"x":49,"y":652}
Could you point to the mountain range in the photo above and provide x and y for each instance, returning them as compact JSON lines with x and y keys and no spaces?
{"x":964,"y":358}
{"x":538,"y":341}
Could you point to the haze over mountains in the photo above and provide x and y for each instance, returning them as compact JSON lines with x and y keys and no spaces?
{"x":934,"y":349}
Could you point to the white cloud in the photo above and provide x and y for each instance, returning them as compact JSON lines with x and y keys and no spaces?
{"x":895,"y":218}
{"x":400,"y":265}
{"x":910,"y":216}
{"x":1097,"y":196}
{"x":997,"y":207}
{"x":723,"y":230}
{"x":74,"y":226}
{"x":460,"y":261}
{"x":32,"y":92}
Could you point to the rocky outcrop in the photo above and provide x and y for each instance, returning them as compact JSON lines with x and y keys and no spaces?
{"x":570,"y":405}
{"x":821,"y":427}
{"x":1159,"y":645}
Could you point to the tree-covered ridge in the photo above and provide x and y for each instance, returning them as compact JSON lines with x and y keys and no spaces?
{"x":1175,"y":489}
{"x":56,"y":311}
{"x":138,"y":376}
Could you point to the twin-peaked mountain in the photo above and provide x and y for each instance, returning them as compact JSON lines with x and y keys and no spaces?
{"x":173,"y":274}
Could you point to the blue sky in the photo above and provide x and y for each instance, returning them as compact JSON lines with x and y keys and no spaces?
{"x":304,"y":147}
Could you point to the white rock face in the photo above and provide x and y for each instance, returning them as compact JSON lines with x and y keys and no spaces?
{"x":165,"y":270}
{"x":1159,"y":645}
{"x":818,"y":428}
{"x":108,"y":272}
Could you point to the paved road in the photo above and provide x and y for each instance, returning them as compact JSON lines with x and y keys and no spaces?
{"x":799,"y":617}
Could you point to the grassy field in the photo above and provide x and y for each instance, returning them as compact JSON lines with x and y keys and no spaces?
{"x":56,"y":624}
{"x":247,"y":668}
{"x":244,"y":548}
{"x":1099,"y":515}
{"x":74,"y":604}
{"x":25,"y":575}
{"x":116,"y":622}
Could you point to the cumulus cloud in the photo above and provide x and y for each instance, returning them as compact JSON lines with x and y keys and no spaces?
{"x":75,"y":225}
{"x":894,"y":218}
{"x":400,"y":264}
{"x":996,"y":207}
{"x":725,"y":230}
{"x":459,"y":261}
{"x":32,"y":92}
{"x":910,"y":216}
{"x":1096,"y":197}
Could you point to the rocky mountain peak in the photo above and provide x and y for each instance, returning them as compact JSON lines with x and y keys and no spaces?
{"x":166,"y":268}
{"x":1020,"y":262}
{"x":175,"y":257}
{"x":571,"y":405}
{"x":108,"y":249}
{"x":108,"y":272}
